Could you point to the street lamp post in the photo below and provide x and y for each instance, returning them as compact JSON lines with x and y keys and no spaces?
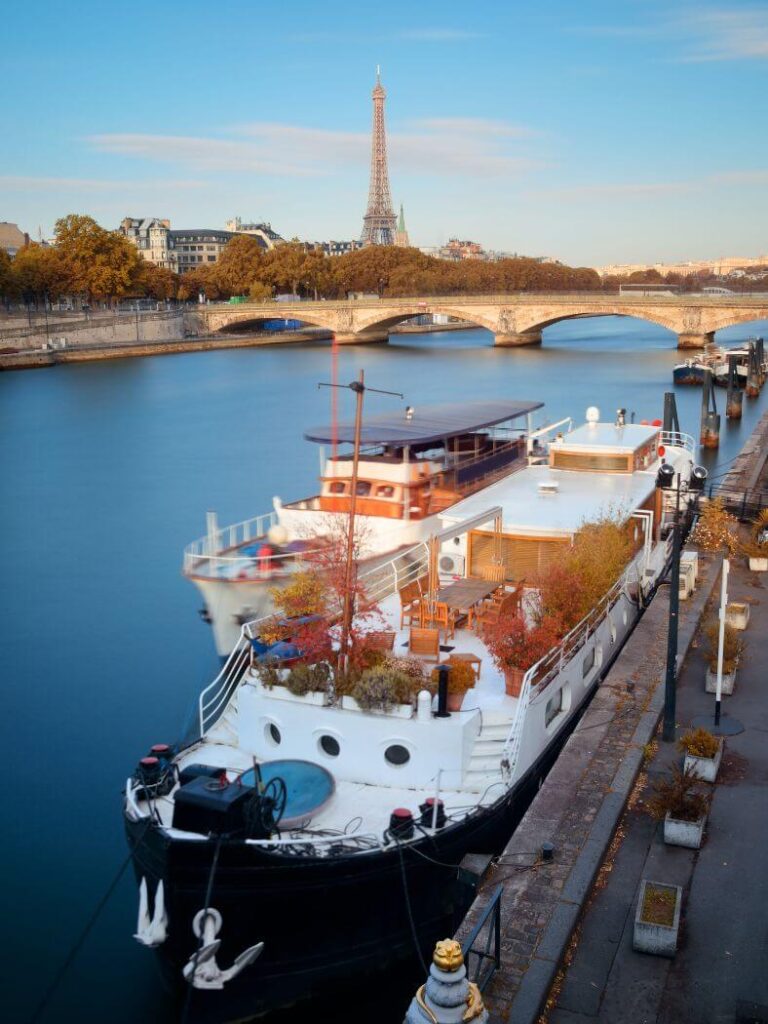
{"x":670,"y":682}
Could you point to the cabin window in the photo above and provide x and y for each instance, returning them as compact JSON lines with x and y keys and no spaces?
{"x":272,"y":735}
{"x":363,"y":488}
{"x":338,"y":487}
{"x":330,"y":745}
{"x":385,"y":491}
{"x":397,"y":755}
{"x":554,"y":708}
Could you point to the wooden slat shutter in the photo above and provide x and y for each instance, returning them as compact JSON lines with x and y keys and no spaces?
{"x":523,"y":557}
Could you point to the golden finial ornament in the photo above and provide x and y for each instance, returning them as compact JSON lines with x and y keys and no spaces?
{"x":448,"y":955}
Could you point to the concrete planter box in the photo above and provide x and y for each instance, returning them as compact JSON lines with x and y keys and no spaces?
{"x":758,"y":564}
{"x":678,"y":832}
{"x":658,"y":939}
{"x":396,"y":711}
{"x":729,"y":681}
{"x":317,"y":697}
{"x":737,"y":615}
{"x":704,"y":768}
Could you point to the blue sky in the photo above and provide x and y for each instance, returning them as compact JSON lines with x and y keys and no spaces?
{"x":593,"y":132}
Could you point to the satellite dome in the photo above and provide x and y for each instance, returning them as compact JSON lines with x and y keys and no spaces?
{"x":593,"y":414}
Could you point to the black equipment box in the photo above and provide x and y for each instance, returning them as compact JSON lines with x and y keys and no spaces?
{"x":192,"y":771}
{"x":204,"y":806}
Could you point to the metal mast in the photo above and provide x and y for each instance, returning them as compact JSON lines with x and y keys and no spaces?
{"x":379,"y":220}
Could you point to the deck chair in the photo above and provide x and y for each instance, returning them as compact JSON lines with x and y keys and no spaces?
{"x":491,"y":611}
{"x":425,"y":642}
{"x":442,"y":617}
{"x":383,"y":640}
{"x":410,"y":605}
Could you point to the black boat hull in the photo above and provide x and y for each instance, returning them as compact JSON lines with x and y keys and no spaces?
{"x":321,"y":919}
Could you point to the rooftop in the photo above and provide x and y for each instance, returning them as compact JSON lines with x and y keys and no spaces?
{"x":428,"y":423}
{"x":593,"y":436}
{"x":579,"y":498}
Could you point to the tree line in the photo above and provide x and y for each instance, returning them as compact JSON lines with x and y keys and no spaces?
{"x":94,"y":264}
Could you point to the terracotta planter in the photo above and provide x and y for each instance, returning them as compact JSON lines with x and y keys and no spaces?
{"x":513,"y":681}
{"x":455,"y":700}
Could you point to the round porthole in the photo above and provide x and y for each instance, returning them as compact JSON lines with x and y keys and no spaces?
{"x":397,"y":754}
{"x":330,"y":746}
{"x":272,"y":734}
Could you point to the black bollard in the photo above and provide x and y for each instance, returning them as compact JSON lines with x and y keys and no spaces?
{"x":442,"y":692}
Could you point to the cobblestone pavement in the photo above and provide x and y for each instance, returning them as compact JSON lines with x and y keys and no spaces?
{"x":577,"y":809}
{"x":719,"y":973}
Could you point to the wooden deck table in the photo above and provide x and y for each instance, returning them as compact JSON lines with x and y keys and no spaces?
{"x":463,"y":595}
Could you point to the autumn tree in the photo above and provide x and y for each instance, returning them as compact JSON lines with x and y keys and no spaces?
{"x":98,"y":263}
{"x":287,"y":267}
{"x":7,"y":282}
{"x":156,"y":282}
{"x":238,"y":266}
{"x":38,"y":272}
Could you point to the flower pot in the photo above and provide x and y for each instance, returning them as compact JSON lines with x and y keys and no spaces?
{"x":679,"y":832}
{"x":650,"y":934}
{"x":704,"y":768}
{"x":455,"y":700}
{"x":758,"y":564}
{"x":729,"y":680}
{"x":737,"y":615}
{"x":513,"y":681}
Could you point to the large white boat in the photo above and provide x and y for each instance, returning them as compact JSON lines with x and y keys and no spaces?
{"x":300,"y":840}
{"x":413,"y":465}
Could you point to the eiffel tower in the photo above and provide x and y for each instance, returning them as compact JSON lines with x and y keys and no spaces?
{"x":379,"y":220}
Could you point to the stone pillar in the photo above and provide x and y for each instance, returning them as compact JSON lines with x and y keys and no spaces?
{"x":363,"y":338}
{"x":447,"y":997}
{"x":532,"y":337}
{"x":695,"y":340}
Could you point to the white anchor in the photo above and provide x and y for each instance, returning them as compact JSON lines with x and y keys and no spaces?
{"x":151,"y":931}
{"x":202,"y":971}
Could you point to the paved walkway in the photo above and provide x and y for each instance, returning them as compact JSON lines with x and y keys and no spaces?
{"x":720,"y":973}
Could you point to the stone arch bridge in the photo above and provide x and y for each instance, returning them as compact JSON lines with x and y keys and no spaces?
{"x":514,"y":319}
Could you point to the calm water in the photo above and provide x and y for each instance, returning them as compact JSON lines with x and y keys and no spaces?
{"x":107,"y":470}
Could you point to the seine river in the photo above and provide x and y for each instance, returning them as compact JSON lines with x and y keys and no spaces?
{"x":107,"y":471}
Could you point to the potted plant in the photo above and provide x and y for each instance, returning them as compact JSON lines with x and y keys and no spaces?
{"x":756,"y":547}
{"x":515,"y":646}
{"x":703,"y":753}
{"x":682,"y":807}
{"x":657,"y":918}
{"x":461,"y":677}
{"x":309,"y":682}
{"x":737,"y":615}
{"x":732,"y":649}
{"x":716,"y":528}
{"x":381,"y":690}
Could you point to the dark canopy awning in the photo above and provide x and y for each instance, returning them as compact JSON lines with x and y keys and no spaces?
{"x":429,"y":423}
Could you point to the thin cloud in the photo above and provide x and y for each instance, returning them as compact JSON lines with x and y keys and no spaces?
{"x":728,"y":34}
{"x":441,"y":146}
{"x":21,"y":183}
{"x":440,"y":35}
{"x":638,"y":190}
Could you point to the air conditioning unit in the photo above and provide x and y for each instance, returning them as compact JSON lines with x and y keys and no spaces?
{"x":451,"y":565}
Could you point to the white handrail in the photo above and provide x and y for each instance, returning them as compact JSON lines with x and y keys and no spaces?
{"x":677,"y":439}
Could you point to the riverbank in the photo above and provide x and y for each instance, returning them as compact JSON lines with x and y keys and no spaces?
{"x":87,"y":353}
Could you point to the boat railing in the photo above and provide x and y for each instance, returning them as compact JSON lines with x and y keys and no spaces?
{"x":227,"y":538}
{"x":540,"y":675}
{"x":676,"y":439}
{"x":216,"y":696}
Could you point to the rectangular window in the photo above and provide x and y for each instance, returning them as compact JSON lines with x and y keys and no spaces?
{"x":553,"y":708}
{"x":588,"y":664}
{"x":211,"y":259}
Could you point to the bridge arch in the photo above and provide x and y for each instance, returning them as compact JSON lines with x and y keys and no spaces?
{"x":537,"y":323}
{"x":252,"y":319}
{"x":377,"y":322}
{"x":718,"y":322}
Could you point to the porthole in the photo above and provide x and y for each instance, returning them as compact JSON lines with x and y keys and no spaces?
{"x":397,"y":755}
{"x":272,"y":734}
{"x":329,"y":745}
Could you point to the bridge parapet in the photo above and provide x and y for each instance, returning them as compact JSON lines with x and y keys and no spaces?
{"x":514,"y":319}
